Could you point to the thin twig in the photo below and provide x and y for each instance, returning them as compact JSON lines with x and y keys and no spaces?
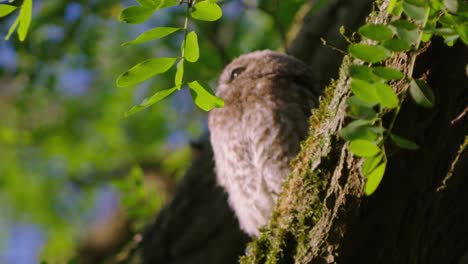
{"x":459,"y":117}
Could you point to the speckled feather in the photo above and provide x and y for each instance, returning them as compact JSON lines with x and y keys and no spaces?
{"x":268,"y":98}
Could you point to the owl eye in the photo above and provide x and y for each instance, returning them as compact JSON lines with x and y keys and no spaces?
{"x":236,"y":72}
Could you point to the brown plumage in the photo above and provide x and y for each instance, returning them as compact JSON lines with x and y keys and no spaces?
{"x":268,"y":98}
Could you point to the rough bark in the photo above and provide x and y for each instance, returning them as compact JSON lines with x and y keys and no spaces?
{"x":418,"y":213}
{"x":197,"y":226}
{"x":416,"y":216}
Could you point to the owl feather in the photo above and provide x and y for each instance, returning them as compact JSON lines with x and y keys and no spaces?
{"x":268,"y":99}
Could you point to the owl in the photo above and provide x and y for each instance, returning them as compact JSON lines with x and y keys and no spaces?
{"x":268,"y":99}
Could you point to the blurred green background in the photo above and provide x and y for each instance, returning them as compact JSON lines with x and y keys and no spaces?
{"x":70,"y":163}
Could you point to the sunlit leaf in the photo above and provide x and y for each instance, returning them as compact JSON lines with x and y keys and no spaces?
{"x":6,"y":10}
{"x":462,"y":31}
{"x":414,"y":11}
{"x":364,"y":73}
{"x":158,"y":96}
{"x":364,"y":91}
{"x":192,"y":52}
{"x":152,"y":34}
{"x":12,"y":28}
{"x":179,"y":73}
{"x":145,"y":70}
{"x":429,"y":29}
{"x":403,"y":142}
{"x":204,"y":97}
{"x":387,"y":73}
{"x":166,"y":3}
{"x":391,"y":5}
{"x":376,"y":32}
{"x":206,"y":11}
{"x":369,"y":53}
{"x":387,"y":97}
{"x":25,"y":16}
{"x":136,"y":14}
{"x":374,"y":179}
{"x":364,"y":148}
{"x":421,"y":93}
{"x":395,"y":7}
{"x":450,"y":40}
{"x":397,"y":45}
{"x":370,"y":164}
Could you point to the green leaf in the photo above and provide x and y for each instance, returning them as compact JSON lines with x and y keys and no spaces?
{"x":462,"y":31}
{"x":6,"y":10}
{"x":192,"y":52}
{"x":360,"y":109}
{"x":404,"y":24}
{"x":444,"y":31}
{"x":370,"y":164}
{"x":426,"y":37}
{"x":414,"y":11}
{"x":364,"y":148}
{"x":179,"y":73}
{"x":462,"y":9}
{"x":206,"y":11}
{"x":421,"y":93}
{"x":377,"y":32}
{"x":25,"y":16}
{"x":364,"y":91}
{"x":364,"y":73}
{"x":148,"y":3}
{"x":397,"y":45}
{"x":355,"y":101}
{"x":158,"y":96}
{"x":360,"y":112}
{"x":204,"y":97}
{"x":450,"y":40}
{"x":387,"y":97}
{"x":136,"y":14}
{"x":406,"y":31}
{"x":429,"y":28}
{"x":416,"y":2}
{"x":152,"y":34}
{"x":403,"y":142}
{"x":396,"y":9}
{"x":358,"y":129}
{"x":369,"y":53}
{"x":391,"y":5}
{"x":410,"y":36}
{"x":166,"y":3}
{"x":374,"y":179}
{"x":145,"y":70}
{"x":388,"y":73}
{"x":12,"y":28}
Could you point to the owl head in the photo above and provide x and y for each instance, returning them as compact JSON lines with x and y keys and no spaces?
{"x":261,"y":64}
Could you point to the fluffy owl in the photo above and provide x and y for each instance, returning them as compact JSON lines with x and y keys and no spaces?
{"x":268,"y":98}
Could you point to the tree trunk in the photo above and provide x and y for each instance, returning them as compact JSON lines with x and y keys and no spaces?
{"x":416,"y":215}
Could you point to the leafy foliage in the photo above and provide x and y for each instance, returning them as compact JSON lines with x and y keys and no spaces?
{"x":206,"y":10}
{"x":22,"y":21}
{"x":414,"y":22}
